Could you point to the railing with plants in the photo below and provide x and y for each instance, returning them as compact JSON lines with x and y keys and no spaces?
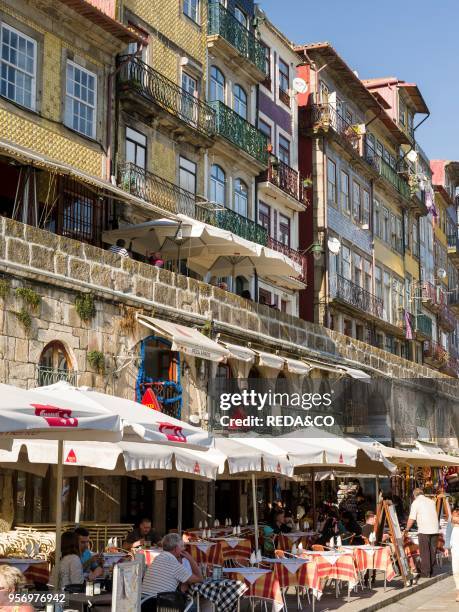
{"x":49,"y":376}
{"x":432,"y":295}
{"x":229,"y":220}
{"x":223,"y":23}
{"x":293,"y":254}
{"x":147,"y":82}
{"x":326,"y":115}
{"x":240,"y":132}
{"x":435,"y":352}
{"x":286,"y":178}
{"x":385,"y":170}
{"x":447,"y":318}
{"x":351,"y":293}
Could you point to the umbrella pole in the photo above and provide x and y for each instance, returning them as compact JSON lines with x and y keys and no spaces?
{"x":179,"y":504}
{"x":377,"y":492}
{"x":313,"y":497}
{"x":79,"y":497}
{"x":255,"y":511}
{"x":60,"y":455}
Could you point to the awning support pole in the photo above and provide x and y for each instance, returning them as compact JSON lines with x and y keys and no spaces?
{"x":313,"y":496}
{"x":79,"y":503}
{"x":60,"y":455}
{"x":255,"y":510}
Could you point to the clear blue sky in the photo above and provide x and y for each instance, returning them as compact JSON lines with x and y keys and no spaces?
{"x":417,"y":41}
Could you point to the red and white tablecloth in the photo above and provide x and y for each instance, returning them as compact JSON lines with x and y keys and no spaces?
{"x":204,"y":552}
{"x":285,"y":541}
{"x":334,"y":566}
{"x":149,"y":554}
{"x":261,"y":584}
{"x":373,"y":558}
{"x":297,"y":572}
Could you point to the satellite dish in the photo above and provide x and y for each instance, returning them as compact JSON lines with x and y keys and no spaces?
{"x":441,"y":273}
{"x":300,"y":85}
{"x":412,"y":156}
{"x":334,"y":245}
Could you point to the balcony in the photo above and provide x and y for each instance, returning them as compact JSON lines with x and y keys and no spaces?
{"x":353,"y":295}
{"x":447,"y":319}
{"x":451,"y":367}
{"x":239,"y":132}
{"x":290,"y":182}
{"x":423,"y":327}
{"x":158,"y":191}
{"x":432,"y":297}
{"x":49,"y":376}
{"x":226,"y":35}
{"x":325,"y":116}
{"x":296,"y":256}
{"x":158,"y":95}
{"x":229,"y":220}
{"x":453,"y":301}
{"x":386,"y":171}
{"x":434,"y":354}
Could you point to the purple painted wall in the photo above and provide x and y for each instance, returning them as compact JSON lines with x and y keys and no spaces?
{"x":277,"y":114}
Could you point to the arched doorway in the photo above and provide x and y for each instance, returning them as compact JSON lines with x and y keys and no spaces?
{"x":55,"y":365}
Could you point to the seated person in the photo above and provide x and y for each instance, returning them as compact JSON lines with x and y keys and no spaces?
{"x":279,"y":525}
{"x":352,"y":530}
{"x":11,"y":579}
{"x":89,"y":561}
{"x":369,"y":527}
{"x":71,"y":568}
{"x":167,"y":572}
{"x":141,"y":534}
{"x":269,"y":546}
{"x":331,"y":527}
{"x":288,"y":520}
{"x":119,"y":248}
{"x":155,"y":259}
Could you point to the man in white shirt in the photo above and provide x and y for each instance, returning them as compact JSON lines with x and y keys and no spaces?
{"x":424,"y":513}
{"x":167,"y":572}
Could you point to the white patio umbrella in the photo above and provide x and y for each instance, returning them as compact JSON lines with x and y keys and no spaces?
{"x":144,"y":237}
{"x":39,"y":415}
{"x":139,"y":421}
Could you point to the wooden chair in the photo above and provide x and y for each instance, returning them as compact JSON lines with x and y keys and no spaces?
{"x":318,"y":547}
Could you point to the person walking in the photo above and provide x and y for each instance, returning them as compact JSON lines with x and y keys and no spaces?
{"x":452,"y":545}
{"x":424,"y":513}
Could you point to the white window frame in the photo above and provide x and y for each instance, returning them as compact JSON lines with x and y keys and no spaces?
{"x":5,"y":26}
{"x":139,"y":140}
{"x":189,"y":169}
{"x":241,"y":16}
{"x":69,"y":96}
{"x":191,"y":10}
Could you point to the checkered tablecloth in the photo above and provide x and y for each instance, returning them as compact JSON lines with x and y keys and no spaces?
{"x":377,"y":558}
{"x":223,"y":593}
{"x":265,"y":586}
{"x":335,"y":567}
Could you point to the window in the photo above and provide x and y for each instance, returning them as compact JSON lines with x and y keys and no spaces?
{"x":324,"y":93}
{"x":415,"y":240}
{"x":377,"y":219}
{"x":367,"y":275}
{"x":406,"y":230}
{"x":241,"y":197}
{"x":357,"y":265}
{"x":80,"y":212}
{"x":284,"y":150}
{"x":385,"y":224}
{"x":366,"y":209}
{"x":187,"y":102}
{"x":191,"y":9}
{"x":346,"y":263}
{"x":189,"y":84}
{"x":284,"y":82}
{"x":267,"y":54}
{"x":331,"y":182}
{"x":378,"y":282}
{"x":356,"y":202}
{"x":284,"y":229}
{"x":402,"y":113}
{"x":240,"y":101}
{"x":217,"y":84}
{"x":18,"y":67}
{"x":80,"y":100}
{"x":136,"y":148}
{"x":398,"y":235}
{"x":386,"y":295}
{"x":264,"y":216}
{"x":217,"y":185}
{"x":265,"y":128}
{"x":344,"y":188}
{"x":240,"y":16}
{"x":55,"y":365}
{"x":187,"y":174}
{"x":348,"y":116}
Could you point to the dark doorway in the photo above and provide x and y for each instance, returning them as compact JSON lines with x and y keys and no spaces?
{"x":227,"y":500}
{"x":172,"y":503}
{"x":138,"y":499}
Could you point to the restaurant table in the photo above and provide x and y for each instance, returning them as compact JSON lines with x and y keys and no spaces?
{"x":224,"y":594}
{"x":95,"y":603}
{"x":204,"y":551}
{"x":232,"y":548}
{"x":261,"y":584}
{"x":34,"y":570}
{"x":298,"y":573}
{"x":335,"y":565}
{"x":149,"y":553}
{"x":285,"y":541}
{"x":373,"y":558}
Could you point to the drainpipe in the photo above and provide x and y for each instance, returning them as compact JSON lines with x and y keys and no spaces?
{"x":325,"y":232}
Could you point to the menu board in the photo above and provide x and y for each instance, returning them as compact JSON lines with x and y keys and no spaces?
{"x":443,"y":507}
{"x":387,"y":514}
{"x":127,"y":582}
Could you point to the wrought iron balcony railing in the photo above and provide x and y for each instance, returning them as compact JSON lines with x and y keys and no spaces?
{"x":424,"y":325}
{"x":285,"y":178}
{"x":49,"y":376}
{"x":229,"y":220}
{"x":447,"y":318}
{"x":344,"y":289}
{"x":435,"y":352}
{"x":155,"y":87}
{"x":240,"y":132}
{"x":293,"y":254}
{"x":385,"y":170}
{"x":326,"y":115}
{"x":453,"y":298}
{"x":453,"y":241}
{"x":223,"y":23}
{"x":451,"y":367}
{"x":432,"y":295}
{"x":158,"y":191}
